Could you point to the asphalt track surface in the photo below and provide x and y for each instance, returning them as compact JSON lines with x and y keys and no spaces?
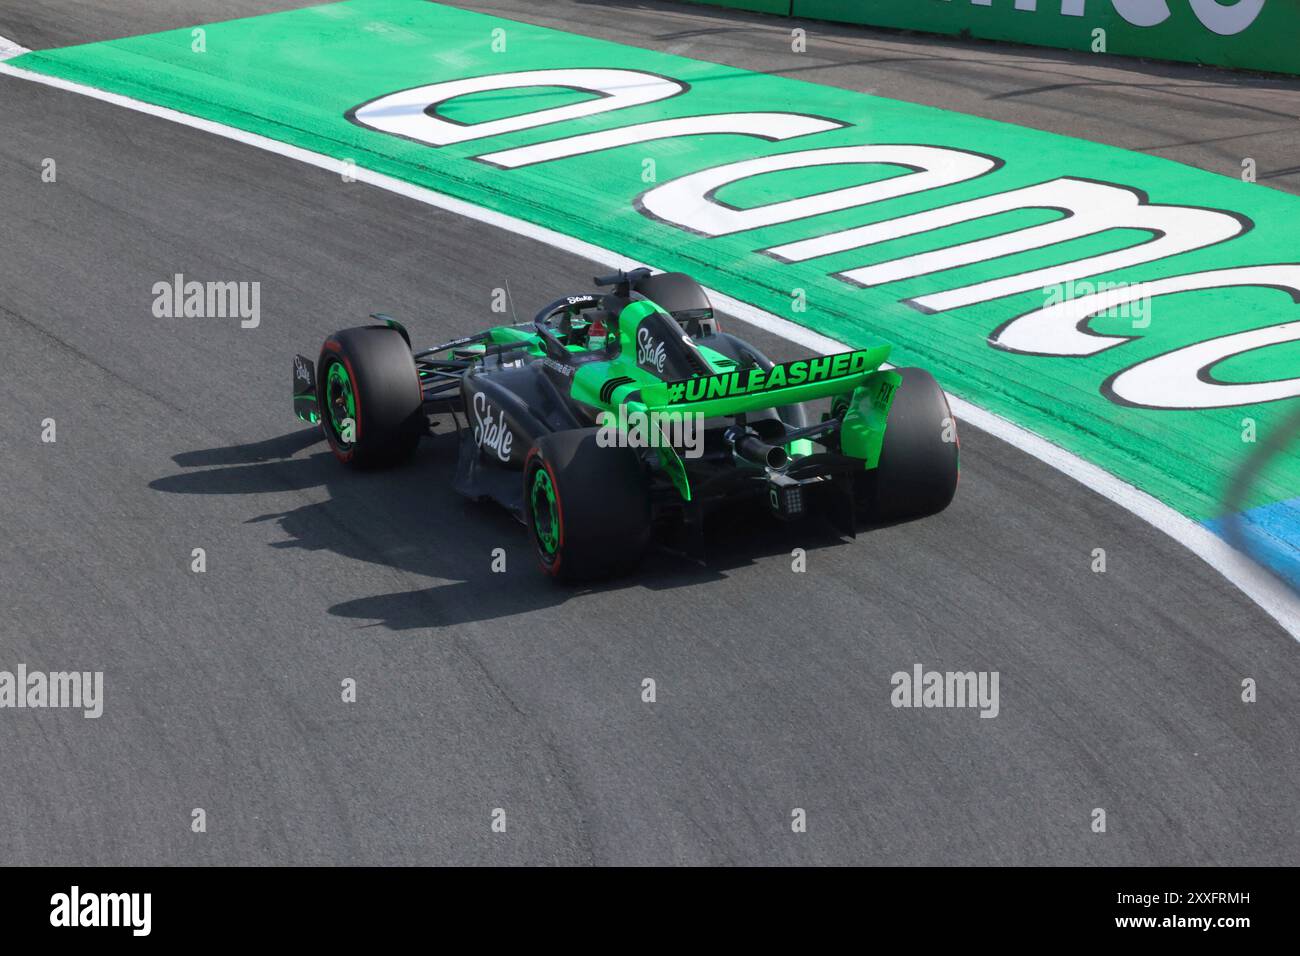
{"x":479,"y":690}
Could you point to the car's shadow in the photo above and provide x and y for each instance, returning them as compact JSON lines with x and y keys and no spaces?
{"x":408,"y":518}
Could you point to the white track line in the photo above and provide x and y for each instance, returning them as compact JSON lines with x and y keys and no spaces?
{"x":9,"y":48}
{"x":1264,"y":589}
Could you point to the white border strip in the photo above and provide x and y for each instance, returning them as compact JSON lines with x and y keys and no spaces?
{"x":8,"y":48}
{"x":1265,"y":590}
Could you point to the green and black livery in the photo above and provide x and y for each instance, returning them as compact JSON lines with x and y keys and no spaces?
{"x":579,"y":421}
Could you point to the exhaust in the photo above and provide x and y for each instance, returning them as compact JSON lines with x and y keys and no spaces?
{"x":753,"y":449}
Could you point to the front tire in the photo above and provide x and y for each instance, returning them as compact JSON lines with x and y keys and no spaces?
{"x":918,"y":470}
{"x":371,"y":402}
{"x":587,"y":507}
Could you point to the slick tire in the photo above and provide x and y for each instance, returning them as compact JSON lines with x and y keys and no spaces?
{"x":918,"y":470}
{"x":587,"y":507}
{"x":367,"y":375}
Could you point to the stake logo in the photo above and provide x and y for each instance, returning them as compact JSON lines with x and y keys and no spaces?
{"x":650,"y":353}
{"x":491,"y":430}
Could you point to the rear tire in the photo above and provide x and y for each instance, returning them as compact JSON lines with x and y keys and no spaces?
{"x":587,"y":507}
{"x":918,"y":470}
{"x":367,"y":374}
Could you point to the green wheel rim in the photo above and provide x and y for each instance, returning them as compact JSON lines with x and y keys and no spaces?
{"x":340,"y":400}
{"x":546,"y":518}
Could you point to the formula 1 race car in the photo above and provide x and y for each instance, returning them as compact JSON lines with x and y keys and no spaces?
{"x":614,"y":419}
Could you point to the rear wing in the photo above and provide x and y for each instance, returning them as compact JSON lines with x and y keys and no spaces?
{"x":731,"y":393}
